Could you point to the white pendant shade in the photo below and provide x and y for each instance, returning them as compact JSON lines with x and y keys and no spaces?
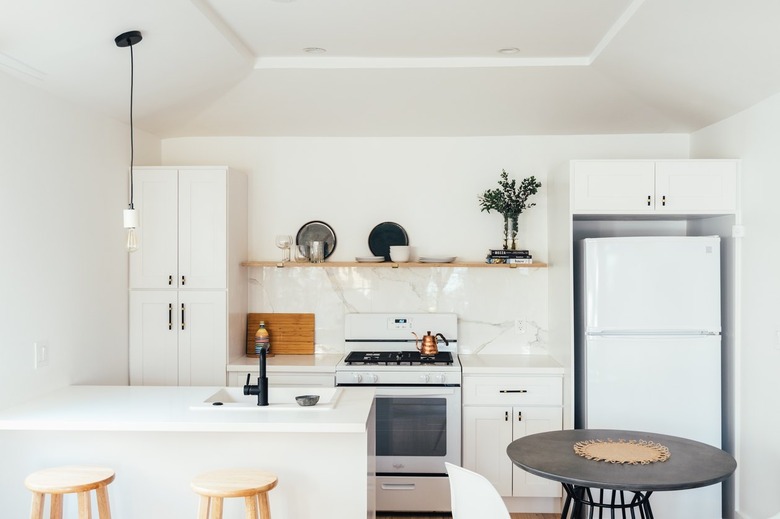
{"x":130,"y":218}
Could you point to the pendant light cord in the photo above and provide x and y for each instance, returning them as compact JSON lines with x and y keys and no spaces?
{"x":132,"y":143}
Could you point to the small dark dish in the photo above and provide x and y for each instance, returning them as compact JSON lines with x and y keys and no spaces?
{"x":383,"y":236}
{"x":317,"y":231}
{"x":307,"y":400}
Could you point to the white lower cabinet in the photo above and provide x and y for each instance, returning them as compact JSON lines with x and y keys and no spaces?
{"x":500,"y":409}
{"x":178,"y":337}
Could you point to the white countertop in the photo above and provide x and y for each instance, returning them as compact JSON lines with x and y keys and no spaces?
{"x":510,"y":364}
{"x":153,"y":408}
{"x":317,"y":363}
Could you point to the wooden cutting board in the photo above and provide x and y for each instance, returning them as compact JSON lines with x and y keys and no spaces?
{"x":291,"y":334}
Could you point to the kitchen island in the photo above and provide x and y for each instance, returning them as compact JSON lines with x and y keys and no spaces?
{"x":157,"y":439}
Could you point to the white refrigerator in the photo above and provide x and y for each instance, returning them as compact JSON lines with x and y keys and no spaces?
{"x":648,"y":354}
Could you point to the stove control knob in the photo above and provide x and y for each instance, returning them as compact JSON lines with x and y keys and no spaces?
{"x":358,"y":377}
{"x":426,"y":378}
{"x":441,"y":378}
{"x":374,"y":377}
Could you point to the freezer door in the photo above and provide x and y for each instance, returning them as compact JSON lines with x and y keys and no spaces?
{"x":668,"y":385}
{"x":651,"y":284}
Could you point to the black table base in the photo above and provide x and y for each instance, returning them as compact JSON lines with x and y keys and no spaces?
{"x":607,"y":504}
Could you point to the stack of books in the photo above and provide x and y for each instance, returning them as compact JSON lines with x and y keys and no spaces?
{"x":509,"y":256}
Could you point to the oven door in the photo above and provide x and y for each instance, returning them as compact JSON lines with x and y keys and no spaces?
{"x":417,"y":429}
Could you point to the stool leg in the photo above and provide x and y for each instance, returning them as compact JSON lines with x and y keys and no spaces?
{"x":56,"y":506}
{"x":203,"y":508}
{"x":265,"y":508}
{"x":216,"y":508}
{"x":85,"y":506}
{"x":250,"y":503}
{"x":36,"y":509}
{"x":104,"y":508}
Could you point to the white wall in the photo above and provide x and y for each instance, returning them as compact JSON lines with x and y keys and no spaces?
{"x":753,"y":136}
{"x":428,"y":185}
{"x":63,"y":185}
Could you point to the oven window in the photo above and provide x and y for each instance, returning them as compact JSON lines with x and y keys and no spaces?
{"x":411,"y":426}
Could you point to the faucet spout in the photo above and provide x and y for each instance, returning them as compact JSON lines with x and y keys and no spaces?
{"x":261,"y":388}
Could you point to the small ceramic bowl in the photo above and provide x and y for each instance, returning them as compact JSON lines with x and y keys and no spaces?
{"x":306,"y":400}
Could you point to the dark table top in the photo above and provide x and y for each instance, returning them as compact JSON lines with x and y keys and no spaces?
{"x":691,"y":464}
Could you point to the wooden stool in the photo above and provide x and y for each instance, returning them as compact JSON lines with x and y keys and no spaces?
{"x":70,"y":480}
{"x":252,"y":485}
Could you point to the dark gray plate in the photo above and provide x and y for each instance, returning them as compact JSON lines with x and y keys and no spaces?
{"x":317,"y":231}
{"x":383,"y":236}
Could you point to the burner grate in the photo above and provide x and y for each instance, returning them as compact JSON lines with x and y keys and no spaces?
{"x":400,"y":358}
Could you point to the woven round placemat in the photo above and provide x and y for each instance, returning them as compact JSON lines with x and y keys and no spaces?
{"x":632,"y":452}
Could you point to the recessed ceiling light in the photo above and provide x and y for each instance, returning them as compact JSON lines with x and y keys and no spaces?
{"x":509,"y":50}
{"x":314,"y":50}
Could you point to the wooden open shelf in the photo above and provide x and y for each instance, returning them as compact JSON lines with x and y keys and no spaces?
{"x":390,"y":264}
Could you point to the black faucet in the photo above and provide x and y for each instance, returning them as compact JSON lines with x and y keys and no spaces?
{"x":261,"y":389}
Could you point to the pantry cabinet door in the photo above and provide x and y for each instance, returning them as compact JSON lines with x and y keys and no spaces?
{"x":153,"y":338}
{"x":154,"y":264}
{"x":617,"y":186}
{"x":202,"y":228}
{"x":696,"y":186}
{"x":486,"y":433}
{"x":202,"y":323}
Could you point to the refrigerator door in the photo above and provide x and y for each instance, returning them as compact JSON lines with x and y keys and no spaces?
{"x":668,"y":385}
{"x":667,"y":284}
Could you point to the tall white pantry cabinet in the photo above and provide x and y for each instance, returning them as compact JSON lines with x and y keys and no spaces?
{"x":188,"y":292}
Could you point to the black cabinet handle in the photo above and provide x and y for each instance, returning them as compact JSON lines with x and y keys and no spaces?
{"x":170,"y":280}
{"x":182,"y":316}
{"x":170,"y":316}
{"x":648,"y":200}
{"x":513,"y":391}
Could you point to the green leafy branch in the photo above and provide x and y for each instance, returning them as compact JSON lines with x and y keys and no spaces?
{"x":510,"y":200}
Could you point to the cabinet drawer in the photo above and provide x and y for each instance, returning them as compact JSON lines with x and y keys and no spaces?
{"x":512,"y":390}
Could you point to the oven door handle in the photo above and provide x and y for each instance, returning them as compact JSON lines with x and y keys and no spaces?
{"x":416,"y":391}
{"x":398,"y":486}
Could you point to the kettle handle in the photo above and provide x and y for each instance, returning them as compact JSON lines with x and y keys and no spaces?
{"x":446,"y":342}
{"x":417,"y":341}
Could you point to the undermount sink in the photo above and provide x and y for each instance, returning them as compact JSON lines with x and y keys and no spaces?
{"x":279,"y":398}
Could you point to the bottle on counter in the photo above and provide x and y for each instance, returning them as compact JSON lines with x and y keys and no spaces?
{"x":262,"y":339}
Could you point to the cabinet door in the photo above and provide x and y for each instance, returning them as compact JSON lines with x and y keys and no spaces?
{"x":154,"y":264}
{"x":613,"y":186}
{"x":153,"y":338}
{"x":486,"y":433}
{"x":202,"y":323}
{"x":202,"y":228}
{"x":696,"y":186}
{"x":532,"y":420}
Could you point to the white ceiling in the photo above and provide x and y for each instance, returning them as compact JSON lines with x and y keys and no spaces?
{"x":401,"y":67}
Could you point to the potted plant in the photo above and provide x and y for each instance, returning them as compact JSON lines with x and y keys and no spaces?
{"x":510,"y":200}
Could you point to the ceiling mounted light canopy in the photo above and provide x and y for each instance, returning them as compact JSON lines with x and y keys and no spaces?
{"x":130,"y":215}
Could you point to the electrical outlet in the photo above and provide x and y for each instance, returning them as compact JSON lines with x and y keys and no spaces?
{"x":41,"y":349}
{"x":519,"y":326}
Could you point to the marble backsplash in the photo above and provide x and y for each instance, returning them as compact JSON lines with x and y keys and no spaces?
{"x":499,"y":310}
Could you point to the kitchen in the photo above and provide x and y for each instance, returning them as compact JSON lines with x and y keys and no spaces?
{"x":68,"y":246}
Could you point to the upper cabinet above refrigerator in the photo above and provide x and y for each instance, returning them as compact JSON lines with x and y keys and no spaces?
{"x":654,"y":186}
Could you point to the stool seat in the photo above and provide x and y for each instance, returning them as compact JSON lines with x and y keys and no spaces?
{"x":70,"y":480}
{"x":250,"y":484}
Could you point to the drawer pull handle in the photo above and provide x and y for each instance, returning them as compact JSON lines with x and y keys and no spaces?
{"x":506,"y":416}
{"x":398,"y":486}
{"x":513,"y":391}
{"x":648,"y":200}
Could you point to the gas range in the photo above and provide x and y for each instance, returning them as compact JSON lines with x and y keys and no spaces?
{"x":417,"y":403}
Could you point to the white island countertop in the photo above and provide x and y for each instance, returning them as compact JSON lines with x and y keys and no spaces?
{"x":165,"y":408}
{"x":510,"y":364}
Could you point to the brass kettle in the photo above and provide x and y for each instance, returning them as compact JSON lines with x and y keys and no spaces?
{"x":429,"y":345}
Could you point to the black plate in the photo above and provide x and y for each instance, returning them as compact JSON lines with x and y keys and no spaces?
{"x":317,"y":231}
{"x":383,"y":236}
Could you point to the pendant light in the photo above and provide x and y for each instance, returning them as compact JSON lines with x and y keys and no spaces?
{"x":128,"y":39}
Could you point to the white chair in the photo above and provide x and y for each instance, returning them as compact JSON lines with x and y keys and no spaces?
{"x":473,"y":496}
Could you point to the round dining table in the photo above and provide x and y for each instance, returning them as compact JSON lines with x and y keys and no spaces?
{"x":619,"y":488}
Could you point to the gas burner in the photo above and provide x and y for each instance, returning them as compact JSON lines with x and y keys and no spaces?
{"x":400,"y":358}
